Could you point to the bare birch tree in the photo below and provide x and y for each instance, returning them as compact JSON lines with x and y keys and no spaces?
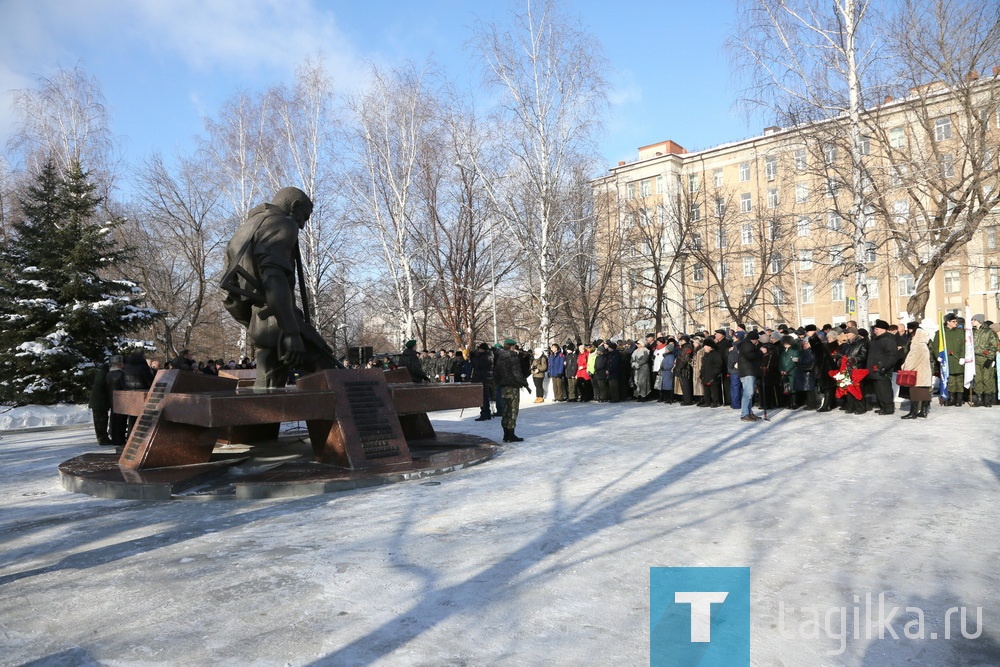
{"x":66,"y":119}
{"x":936,"y":154}
{"x":178,"y":227}
{"x":807,"y":61}
{"x":392,"y":119}
{"x":304,"y":121}
{"x":550,"y":75}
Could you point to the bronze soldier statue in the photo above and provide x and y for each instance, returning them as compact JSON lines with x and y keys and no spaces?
{"x":262,"y":262}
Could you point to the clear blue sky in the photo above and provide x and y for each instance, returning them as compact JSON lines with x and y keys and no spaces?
{"x":164,"y":64}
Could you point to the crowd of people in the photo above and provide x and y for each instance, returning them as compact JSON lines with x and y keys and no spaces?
{"x":809,"y":368}
{"x":133,"y":371}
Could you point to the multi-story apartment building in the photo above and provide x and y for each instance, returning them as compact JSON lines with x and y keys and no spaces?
{"x":768,"y":229}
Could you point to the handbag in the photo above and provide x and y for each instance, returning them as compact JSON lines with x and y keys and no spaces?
{"x":906,"y":378}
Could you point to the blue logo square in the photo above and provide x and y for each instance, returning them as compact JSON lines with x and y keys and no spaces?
{"x":699,"y":616}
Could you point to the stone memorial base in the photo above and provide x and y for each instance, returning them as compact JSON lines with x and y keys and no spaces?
{"x":278,"y":469}
{"x":198,"y":436}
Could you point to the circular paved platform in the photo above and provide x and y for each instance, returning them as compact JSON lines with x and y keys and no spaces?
{"x":281,"y":469}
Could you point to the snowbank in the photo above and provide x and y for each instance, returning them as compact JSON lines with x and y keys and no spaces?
{"x":31,"y":416}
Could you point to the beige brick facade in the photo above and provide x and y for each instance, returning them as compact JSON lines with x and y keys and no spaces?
{"x":760,"y":230}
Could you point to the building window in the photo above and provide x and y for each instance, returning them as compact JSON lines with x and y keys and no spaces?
{"x":772,"y":197}
{"x":833,"y":221}
{"x":771,"y":168}
{"x":897,"y":137}
{"x":748,"y":266}
{"x":696,"y":241}
{"x":952,"y":282}
{"x":720,"y":301}
{"x":806,"y":292}
{"x":872,"y":288}
{"x":947,"y":165}
{"x":692,"y":182}
{"x":831,"y":188}
{"x":699,"y":302}
{"x":746,"y":234}
{"x":646,"y":187}
{"x":698,"y":272}
{"x":803,"y":225}
{"x":907,"y":286}
{"x":722,"y":270}
{"x":744,"y":172}
{"x":900,"y":212}
{"x":801,"y":193}
{"x":695,"y":212}
{"x":837,"y":290}
{"x":631,"y":190}
{"x":867,"y":216}
{"x":659,"y":185}
{"x":799,"y":158}
{"x":991,"y":238}
{"x":720,"y":206}
{"x":866,"y":145}
{"x":720,"y":238}
{"x":717,"y":178}
{"x":829,"y":154}
{"x":897,"y":175}
{"x":871,"y":253}
{"x":942,"y":128}
{"x":746,"y":204}
{"x":774,"y":229}
{"x":805,"y":260}
{"x":778,"y":295}
{"x":776,"y":262}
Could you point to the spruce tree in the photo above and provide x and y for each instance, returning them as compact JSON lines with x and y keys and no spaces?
{"x":60,"y":315}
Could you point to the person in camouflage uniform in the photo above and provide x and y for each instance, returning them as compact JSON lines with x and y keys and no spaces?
{"x":984,"y":386}
{"x":509,"y":376}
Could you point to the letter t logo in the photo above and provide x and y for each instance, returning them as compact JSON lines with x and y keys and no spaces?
{"x":701,"y":611}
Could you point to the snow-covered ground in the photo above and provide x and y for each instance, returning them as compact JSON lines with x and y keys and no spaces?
{"x":540,"y":556}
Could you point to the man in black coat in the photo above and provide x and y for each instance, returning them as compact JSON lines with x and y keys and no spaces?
{"x":100,"y":404}
{"x":684,"y":370}
{"x":749,"y":368}
{"x":881,"y":362}
{"x":411,"y":362}
{"x":713,"y":368}
{"x":822,"y":365}
{"x":482,"y":372}
{"x":614,"y":370}
{"x":118,"y":429}
{"x":571,"y":356}
{"x":600,"y":376}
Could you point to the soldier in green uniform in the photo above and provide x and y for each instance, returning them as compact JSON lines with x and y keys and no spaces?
{"x":509,"y":376}
{"x":955,"y":342}
{"x":984,"y":387}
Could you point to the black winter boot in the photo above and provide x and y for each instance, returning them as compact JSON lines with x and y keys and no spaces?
{"x":506,"y":434}
{"x":513,"y":438}
{"x":925,"y":407}
{"x":914,"y":409}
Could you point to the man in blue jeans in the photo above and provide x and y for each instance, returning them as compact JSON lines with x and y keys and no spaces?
{"x":748,"y":367}
{"x":732,"y":368}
